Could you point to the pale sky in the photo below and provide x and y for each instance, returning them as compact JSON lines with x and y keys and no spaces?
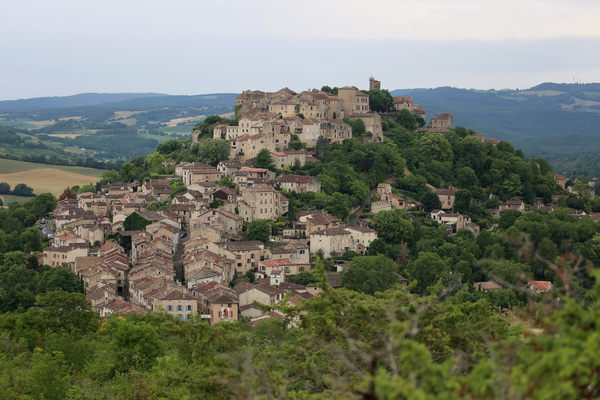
{"x":65,"y":47}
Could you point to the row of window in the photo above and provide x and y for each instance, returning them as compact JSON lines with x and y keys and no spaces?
{"x":180,"y":308}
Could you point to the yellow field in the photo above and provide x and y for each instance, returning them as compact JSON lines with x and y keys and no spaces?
{"x":175,"y":121}
{"x":45,"y":180}
{"x":128,"y":121}
{"x":127,"y":114}
{"x":65,"y":135}
{"x":41,"y":124}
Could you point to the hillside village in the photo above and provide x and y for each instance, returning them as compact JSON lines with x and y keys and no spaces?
{"x":184,"y":259}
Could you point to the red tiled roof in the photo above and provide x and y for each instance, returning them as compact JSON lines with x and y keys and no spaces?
{"x":294,"y":178}
{"x":541,"y":285}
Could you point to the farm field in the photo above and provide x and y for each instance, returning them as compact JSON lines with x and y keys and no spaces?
{"x":179,"y":130}
{"x":9,"y":198}
{"x":158,"y":138}
{"x":46,"y":178}
{"x":21,"y":124}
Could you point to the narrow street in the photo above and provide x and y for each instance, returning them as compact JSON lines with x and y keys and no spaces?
{"x":178,"y":259}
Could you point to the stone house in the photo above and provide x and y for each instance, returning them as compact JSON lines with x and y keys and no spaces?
{"x":447,"y":197}
{"x":353,"y":101}
{"x":452,"y":221}
{"x":228,"y":167}
{"x":441,"y":121}
{"x":290,"y":266}
{"x":56,"y":256}
{"x":229,"y":223}
{"x":178,"y":304}
{"x":540,"y":286}
{"x":401,"y":103}
{"x":261,"y":202}
{"x":277,"y":254}
{"x":362,"y":235}
{"x":261,"y":293}
{"x":299,"y":183}
{"x":246,"y":254}
{"x":332,"y":240}
{"x":517,"y":205}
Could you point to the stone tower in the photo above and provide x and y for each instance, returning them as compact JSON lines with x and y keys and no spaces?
{"x":374,"y":84}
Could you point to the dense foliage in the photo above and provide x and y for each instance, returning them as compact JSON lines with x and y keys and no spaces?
{"x":340,"y":344}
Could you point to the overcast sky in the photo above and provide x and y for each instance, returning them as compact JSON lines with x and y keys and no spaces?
{"x":65,"y":47}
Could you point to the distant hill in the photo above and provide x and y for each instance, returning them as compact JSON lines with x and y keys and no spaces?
{"x":550,"y":120}
{"x":78,"y":100}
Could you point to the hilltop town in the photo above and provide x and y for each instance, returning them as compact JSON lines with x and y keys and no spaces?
{"x":183,"y":259}
{"x":292,"y":249}
{"x":189,"y":259}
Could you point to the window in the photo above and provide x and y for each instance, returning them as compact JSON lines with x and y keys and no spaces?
{"x":189,"y":308}
{"x":169,"y":308}
{"x":180,"y":308}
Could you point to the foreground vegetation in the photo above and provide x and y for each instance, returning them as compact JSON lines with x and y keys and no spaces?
{"x":338,"y":345}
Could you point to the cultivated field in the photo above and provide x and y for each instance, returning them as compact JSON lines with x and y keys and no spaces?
{"x":46,"y":178}
{"x":176,"y":121}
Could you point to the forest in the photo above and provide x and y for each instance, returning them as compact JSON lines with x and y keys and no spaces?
{"x":432,"y":335}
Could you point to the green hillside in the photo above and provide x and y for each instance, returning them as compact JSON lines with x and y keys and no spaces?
{"x":549,"y":120}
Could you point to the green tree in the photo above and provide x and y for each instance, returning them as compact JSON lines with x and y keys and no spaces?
{"x":109,"y":176}
{"x":431,"y":201}
{"x":305,"y":278}
{"x":225,"y":181}
{"x":359,"y":192}
{"x":213,"y":151}
{"x":322,"y":148}
{"x":43,"y":204}
{"x":406,"y":119}
{"x":380,"y":100}
{"x":508,"y":218}
{"x":370,"y":274}
{"x":264,"y":160}
{"x":49,"y":376}
{"x":462,"y":201}
{"x":392,"y":227}
{"x":62,"y":311}
{"x":87,"y":188}
{"x":14,"y":258}
{"x":22,"y":189}
{"x":427,"y":269}
{"x":4,"y":188}
{"x":177,"y":187}
{"x":357,"y":125}
{"x":435,"y":147}
{"x":467,"y":178}
{"x":135,"y":344}
{"x":259,"y":229}
{"x":338,"y":205}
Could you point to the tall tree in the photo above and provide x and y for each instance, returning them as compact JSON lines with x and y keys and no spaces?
{"x":370,"y":274}
{"x":258,"y":229}
{"x":380,"y":100}
{"x":213,"y":151}
{"x":264,"y":160}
